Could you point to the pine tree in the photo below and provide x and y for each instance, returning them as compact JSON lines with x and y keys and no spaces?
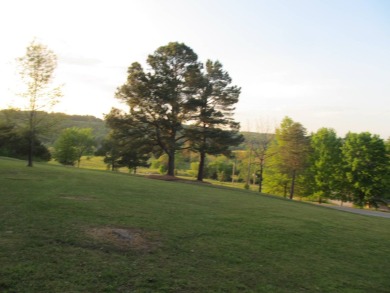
{"x":214,"y":130}
{"x":159,"y":99}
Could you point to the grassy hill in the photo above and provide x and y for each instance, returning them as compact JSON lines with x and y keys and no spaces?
{"x":75,"y":230}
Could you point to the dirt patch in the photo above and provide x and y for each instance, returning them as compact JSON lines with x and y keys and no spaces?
{"x":126,"y":238}
{"x":77,"y":197}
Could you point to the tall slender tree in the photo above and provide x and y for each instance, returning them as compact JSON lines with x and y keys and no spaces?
{"x":159,"y":99}
{"x":262,"y":153}
{"x":326,"y":166}
{"x":37,"y":71}
{"x":291,"y":146}
{"x":214,"y":129}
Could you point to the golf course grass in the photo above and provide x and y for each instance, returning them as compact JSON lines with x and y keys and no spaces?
{"x":64,"y":229}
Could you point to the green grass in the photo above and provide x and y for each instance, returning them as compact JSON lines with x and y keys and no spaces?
{"x":195,"y":238}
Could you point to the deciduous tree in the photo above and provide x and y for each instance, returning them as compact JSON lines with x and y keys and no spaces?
{"x":72,"y":144}
{"x":326,"y":166}
{"x":37,"y":71}
{"x":366,"y":165}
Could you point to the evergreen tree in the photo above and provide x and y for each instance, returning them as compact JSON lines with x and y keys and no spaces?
{"x":130,"y":142}
{"x":159,"y":99}
{"x":214,"y":129}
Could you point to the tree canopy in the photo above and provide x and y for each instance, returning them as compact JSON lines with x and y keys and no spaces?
{"x":173,"y":94}
{"x":72,"y":144}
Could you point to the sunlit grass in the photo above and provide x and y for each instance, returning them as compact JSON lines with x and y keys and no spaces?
{"x":196,"y":238}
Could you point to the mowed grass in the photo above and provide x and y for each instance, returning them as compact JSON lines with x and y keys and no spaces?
{"x":55,"y":223}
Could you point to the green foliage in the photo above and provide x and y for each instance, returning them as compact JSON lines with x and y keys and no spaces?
{"x":366,"y":165}
{"x":326,"y":168}
{"x":262,"y":153}
{"x":72,"y":144}
{"x":52,"y":124}
{"x":291,"y":148}
{"x":130,"y":142}
{"x":159,"y":99}
{"x":213,"y":130}
{"x":14,"y":142}
{"x":220,"y":168}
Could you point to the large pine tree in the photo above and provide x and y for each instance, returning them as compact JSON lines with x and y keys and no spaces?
{"x":159,"y":99}
{"x":214,"y":129}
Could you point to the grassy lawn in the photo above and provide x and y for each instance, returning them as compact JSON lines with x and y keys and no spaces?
{"x":76,"y":230}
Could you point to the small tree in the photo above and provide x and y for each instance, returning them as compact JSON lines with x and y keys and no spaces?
{"x":130,"y":141}
{"x":262,"y":154}
{"x":72,"y":144}
{"x":37,"y":72}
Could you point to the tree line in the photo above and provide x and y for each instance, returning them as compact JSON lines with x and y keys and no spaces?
{"x":353,"y":168}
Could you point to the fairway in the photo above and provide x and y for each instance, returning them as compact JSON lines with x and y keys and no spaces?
{"x":64,"y":229}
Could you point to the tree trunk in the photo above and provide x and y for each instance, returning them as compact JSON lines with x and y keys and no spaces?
{"x":201,"y":166}
{"x":171,"y":164}
{"x":285,"y":190}
{"x":261,"y":177}
{"x":292,"y":184}
{"x":249,"y":167}
{"x":234,"y":170}
{"x":31,"y":136}
{"x":30,"y":150}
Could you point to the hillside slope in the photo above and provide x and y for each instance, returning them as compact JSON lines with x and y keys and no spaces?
{"x":73,"y":230}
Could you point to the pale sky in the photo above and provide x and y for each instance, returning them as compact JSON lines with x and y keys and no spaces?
{"x":324,"y":63}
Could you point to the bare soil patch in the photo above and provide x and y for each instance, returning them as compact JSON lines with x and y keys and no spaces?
{"x":126,"y":238}
{"x":77,"y":197}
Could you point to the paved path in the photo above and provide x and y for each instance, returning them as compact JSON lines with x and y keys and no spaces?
{"x":360,"y":211}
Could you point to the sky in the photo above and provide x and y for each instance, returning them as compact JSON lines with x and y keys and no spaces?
{"x":321,"y":63}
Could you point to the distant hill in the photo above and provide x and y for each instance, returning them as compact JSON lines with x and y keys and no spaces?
{"x":60,"y":121}
{"x":57,"y":122}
